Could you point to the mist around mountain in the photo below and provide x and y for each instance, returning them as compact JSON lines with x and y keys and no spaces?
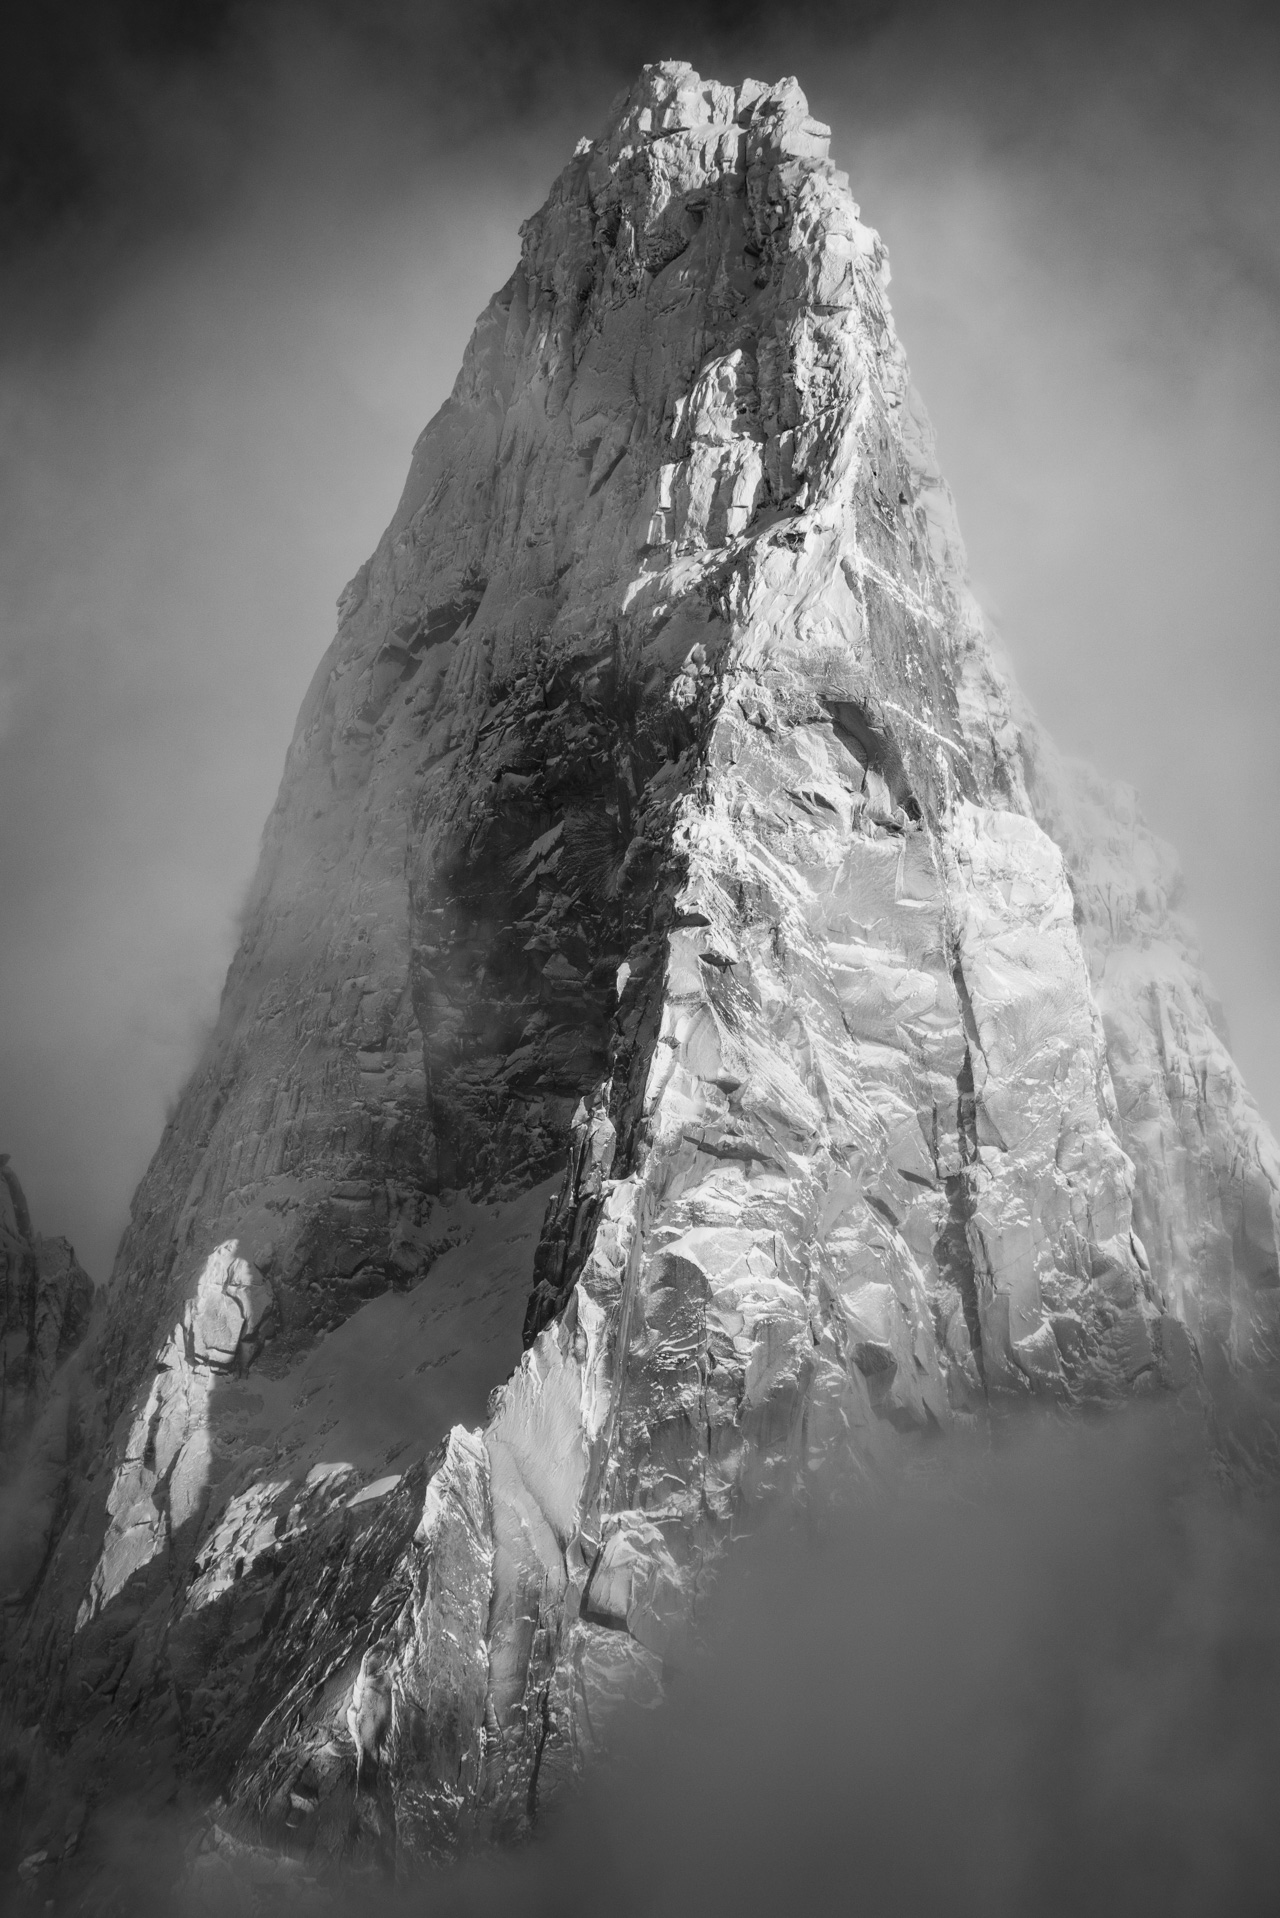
{"x":1040,"y":1680}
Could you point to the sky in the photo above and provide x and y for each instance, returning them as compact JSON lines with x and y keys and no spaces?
{"x":242,"y":248}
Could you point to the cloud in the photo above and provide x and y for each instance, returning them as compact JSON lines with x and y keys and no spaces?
{"x":1013,"y":1682}
{"x":192,"y":472}
{"x":1086,"y":268}
{"x":1035,"y":1677}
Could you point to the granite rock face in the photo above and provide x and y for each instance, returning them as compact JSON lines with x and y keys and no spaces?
{"x":660,"y":845}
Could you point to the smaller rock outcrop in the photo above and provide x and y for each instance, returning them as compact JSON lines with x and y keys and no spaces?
{"x":369,"y":1713}
{"x":47,"y":1295}
{"x":166,"y":1464}
{"x":46,"y":1299}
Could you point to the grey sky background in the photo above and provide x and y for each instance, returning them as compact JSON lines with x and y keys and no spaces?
{"x":211,"y":377}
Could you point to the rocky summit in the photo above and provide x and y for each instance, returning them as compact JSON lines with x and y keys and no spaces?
{"x":693,"y":1037}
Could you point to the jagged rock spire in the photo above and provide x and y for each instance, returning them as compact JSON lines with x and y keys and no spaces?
{"x":658,"y":802}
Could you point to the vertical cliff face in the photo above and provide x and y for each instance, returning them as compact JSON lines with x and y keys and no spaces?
{"x":659,"y":804}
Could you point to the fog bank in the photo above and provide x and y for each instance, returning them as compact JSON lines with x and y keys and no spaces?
{"x":1039,"y":1678}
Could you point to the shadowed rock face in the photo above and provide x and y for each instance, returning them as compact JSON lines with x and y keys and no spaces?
{"x":658,"y":804}
{"x":47,"y":1305}
{"x":47,"y":1299}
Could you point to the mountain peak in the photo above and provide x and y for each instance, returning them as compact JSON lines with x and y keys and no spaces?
{"x":678,"y":953}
